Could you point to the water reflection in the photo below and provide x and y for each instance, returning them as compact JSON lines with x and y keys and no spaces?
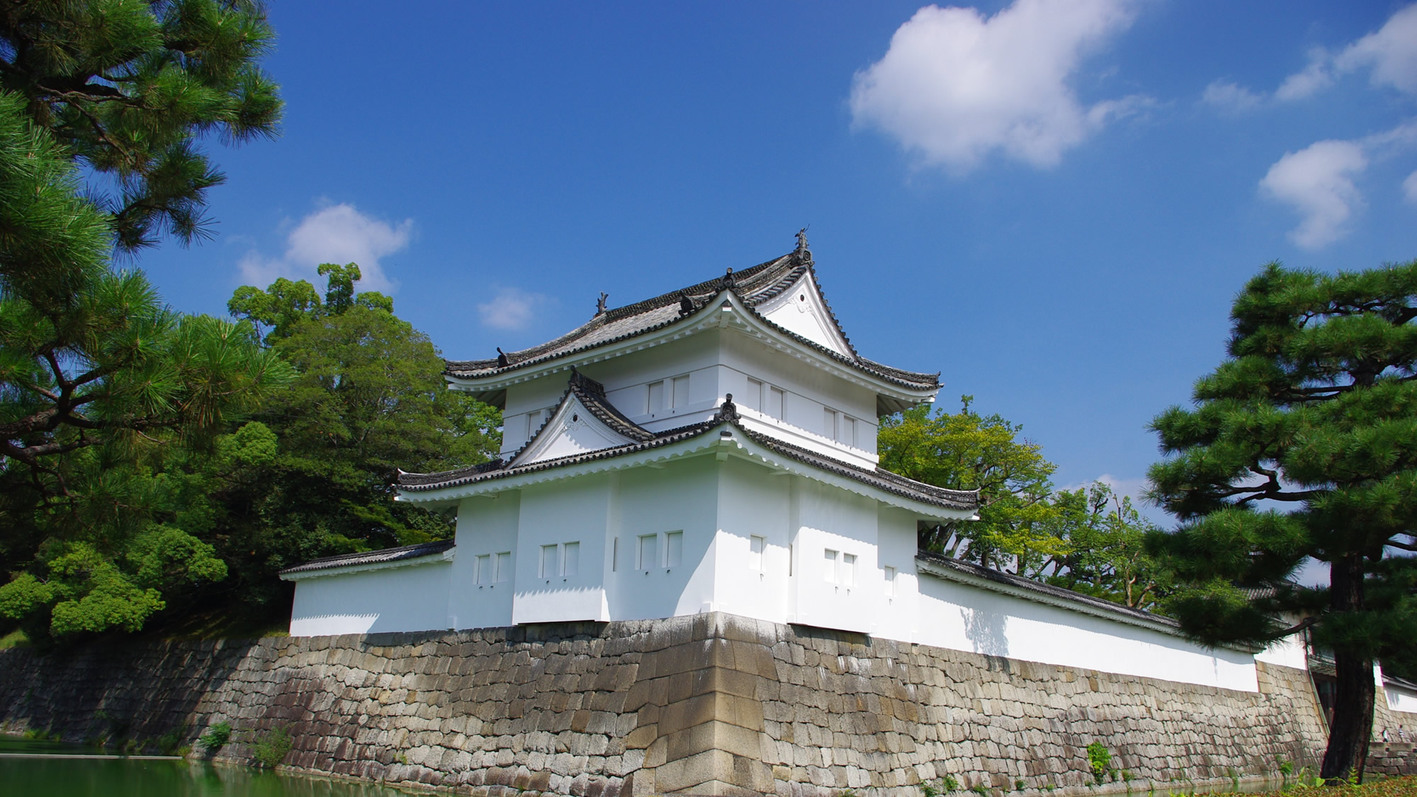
{"x":74,"y":776}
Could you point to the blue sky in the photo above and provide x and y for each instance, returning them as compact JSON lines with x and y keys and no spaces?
{"x":1051,"y":203}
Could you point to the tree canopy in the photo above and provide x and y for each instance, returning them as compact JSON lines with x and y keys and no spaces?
{"x":102,"y":106}
{"x":969,"y":451}
{"x":1303,"y":444}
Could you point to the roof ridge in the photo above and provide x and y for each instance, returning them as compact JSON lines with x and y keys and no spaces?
{"x":705,"y":288}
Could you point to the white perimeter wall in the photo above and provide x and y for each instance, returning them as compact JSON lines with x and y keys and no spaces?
{"x":1400,"y":698}
{"x":964,"y":617}
{"x":407,"y":598}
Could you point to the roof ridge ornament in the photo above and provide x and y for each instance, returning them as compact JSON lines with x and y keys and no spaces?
{"x":584,"y":382}
{"x":802,"y":253}
{"x":600,"y":303}
{"x":727,"y":411}
{"x":686,"y":305}
{"x":728,"y":280}
{"x":502,"y":361}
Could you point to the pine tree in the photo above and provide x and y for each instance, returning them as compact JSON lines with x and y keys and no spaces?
{"x":1303,"y":444}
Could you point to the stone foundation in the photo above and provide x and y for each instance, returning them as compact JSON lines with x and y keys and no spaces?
{"x":711,"y":704}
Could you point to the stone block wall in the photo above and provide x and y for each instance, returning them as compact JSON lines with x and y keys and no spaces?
{"x":711,"y":704}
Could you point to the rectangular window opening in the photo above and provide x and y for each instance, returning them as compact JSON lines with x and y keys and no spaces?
{"x":848,"y":570}
{"x":647,"y":555}
{"x":504,"y":566}
{"x":753,"y":396}
{"x":829,"y":568}
{"x":656,"y":396}
{"x":681,"y":392}
{"x":550,"y":566}
{"x":756,"y":545}
{"x":571,"y":559}
{"x":673,"y":548}
{"x":774,"y":401}
{"x":890,"y":582}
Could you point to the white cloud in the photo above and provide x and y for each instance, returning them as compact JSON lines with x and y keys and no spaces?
{"x":956,"y":86}
{"x":1391,"y":52}
{"x":1318,"y":182}
{"x":1314,"y":77}
{"x":1229,"y":96}
{"x":510,"y":309}
{"x":1409,"y":188}
{"x":333,"y":234}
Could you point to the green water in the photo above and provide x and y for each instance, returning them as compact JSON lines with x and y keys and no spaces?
{"x":73,"y":776}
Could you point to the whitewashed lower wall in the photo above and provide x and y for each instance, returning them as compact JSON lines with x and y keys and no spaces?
{"x":961,"y":617}
{"x":1401,"y":698}
{"x":373,"y":601}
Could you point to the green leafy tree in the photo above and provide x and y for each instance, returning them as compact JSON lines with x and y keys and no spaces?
{"x":969,"y":451}
{"x":1303,"y":444}
{"x":369,"y":399}
{"x":1104,"y":551}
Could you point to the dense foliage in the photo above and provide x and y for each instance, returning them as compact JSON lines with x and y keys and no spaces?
{"x":1088,"y":539}
{"x":1303,"y":445}
{"x":101,"y":105}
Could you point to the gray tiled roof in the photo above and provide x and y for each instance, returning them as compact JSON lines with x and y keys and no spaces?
{"x":753,"y":286}
{"x":379,"y":557}
{"x":1042,"y":589}
{"x":727,"y":416}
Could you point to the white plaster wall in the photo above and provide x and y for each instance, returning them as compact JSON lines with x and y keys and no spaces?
{"x":823,"y":594}
{"x":556,"y":513}
{"x":681,"y":497}
{"x":963,"y":617}
{"x":802,"y":311}
{"x":487,"y":526}
{"x":753,"y":501}
{"x":408,"y":598}
{"x":1400,"y":698}
{"x":1288,"y":652}
{"x":897,"y":543}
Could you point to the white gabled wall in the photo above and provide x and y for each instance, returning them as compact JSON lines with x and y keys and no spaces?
{"x":403,"y":598}
{"x":802,"y":311}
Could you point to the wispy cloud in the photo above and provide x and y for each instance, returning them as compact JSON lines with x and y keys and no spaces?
{"x":955,"y":86}
{"x":1229,"y":96}
{"x":511,"y":309}
{"x":1317,"y":181}
{"x":1390,"y":52}
{"x":333,"y":234}
{"x":1313,"y":78}
{"x":1409,"y":188}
